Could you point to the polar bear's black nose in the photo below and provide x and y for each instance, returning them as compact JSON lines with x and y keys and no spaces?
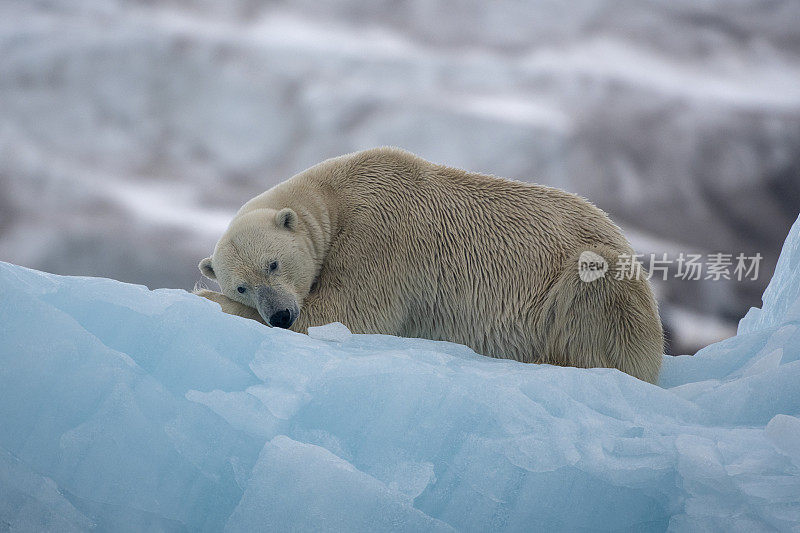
{"x":281,"y":319}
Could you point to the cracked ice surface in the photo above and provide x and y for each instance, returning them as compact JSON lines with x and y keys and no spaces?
{"x":122,"y":408}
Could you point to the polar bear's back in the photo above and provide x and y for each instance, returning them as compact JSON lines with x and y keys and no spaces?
{"x":437,"y":215}
{"x":419,"y":197}
{"x":460,"y":256}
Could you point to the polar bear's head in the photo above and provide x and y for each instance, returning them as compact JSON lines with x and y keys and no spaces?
{"x":264,"y":261}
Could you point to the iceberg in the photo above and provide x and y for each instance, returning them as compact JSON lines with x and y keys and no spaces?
{"x":123,"y":409}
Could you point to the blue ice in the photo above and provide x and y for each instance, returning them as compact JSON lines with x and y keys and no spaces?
{"x":128,"y":409}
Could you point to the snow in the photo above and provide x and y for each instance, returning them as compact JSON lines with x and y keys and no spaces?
{"x":124,"y":408}
{"x":158,"y":120}
{"x":333,"y":332}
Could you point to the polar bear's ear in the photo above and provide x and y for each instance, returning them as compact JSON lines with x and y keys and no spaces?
{"x":286,"y":218}
{"x":206,"y":268}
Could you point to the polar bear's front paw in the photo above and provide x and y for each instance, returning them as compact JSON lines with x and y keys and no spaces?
{"x":229,"y":306}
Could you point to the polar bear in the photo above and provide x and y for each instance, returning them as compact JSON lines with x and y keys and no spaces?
{"x":386,"y":242}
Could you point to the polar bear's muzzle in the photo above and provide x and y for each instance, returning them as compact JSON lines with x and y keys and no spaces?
{"x":278,"y":308}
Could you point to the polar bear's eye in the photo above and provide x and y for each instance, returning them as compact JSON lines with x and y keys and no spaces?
{"x":273,"y":266}
{"x":241,"y":289}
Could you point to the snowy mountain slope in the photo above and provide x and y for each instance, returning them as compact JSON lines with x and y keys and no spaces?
{"x":680,"y":119}
{"x":124,"y":408}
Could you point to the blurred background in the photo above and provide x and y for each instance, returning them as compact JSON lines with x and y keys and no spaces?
{"x":131,"y":131}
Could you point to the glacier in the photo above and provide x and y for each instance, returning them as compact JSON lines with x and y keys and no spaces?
{"x":157,"y":119}
{"x":124,"y":409}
